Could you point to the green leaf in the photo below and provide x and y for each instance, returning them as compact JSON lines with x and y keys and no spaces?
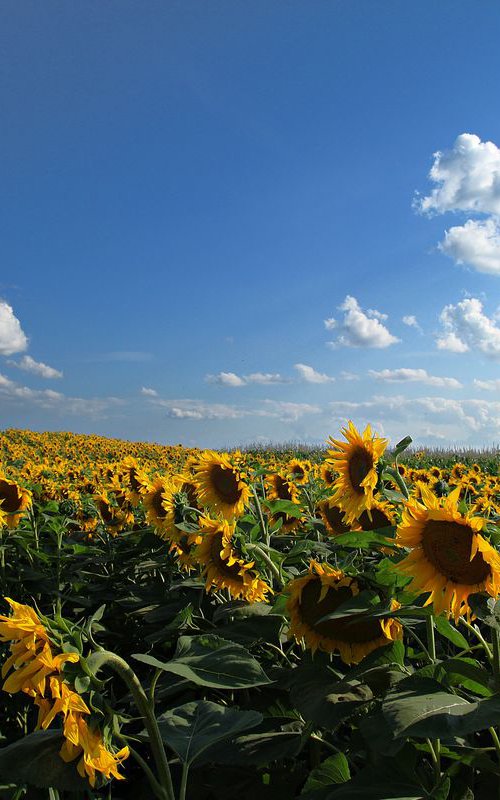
{"x":190,"y":729}
{"x":334,"y":769}
{"x":449,"y":632}
{"x":256,"y":749}
{"x":363,"y":540}
{"x":325,"y":701}
{"x":211,"y":661}
{"x":486,"y":609}
{"x":35,"y":760}
{"x":283,"y":506}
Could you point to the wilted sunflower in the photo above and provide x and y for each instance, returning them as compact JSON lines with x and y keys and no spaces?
{"x":333,"y":519}
{"x":449,"y":558}
{"x":219,"y":485}
{"x":321,"y":592}
{"x":14,"y":501}
{"x":356,"y":462}
{"x":221,"y":565}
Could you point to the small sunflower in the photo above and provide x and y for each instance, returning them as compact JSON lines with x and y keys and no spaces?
{"x":449,"y":558}
{"x":380,"y":515}
{"x":299,"y":470}
{"x":333,"y":519}
{"x":14,"y":501}
{"x":159,"y":504}
{"x":221,"y":565}
{"x":280,"y":488}
{"x":327,"y":474}
{"x":135,"y":479}
{"x":321,"y":592}
{"x":219,"y":485}
{"x":356,"y":462}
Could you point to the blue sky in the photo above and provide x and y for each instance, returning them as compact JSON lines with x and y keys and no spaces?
{"x":191,"y":189}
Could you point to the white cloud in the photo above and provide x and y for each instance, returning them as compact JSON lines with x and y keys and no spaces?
{"x":10,"y":391}
{"x":476,"y":243}
{"x":149,"y":392}
{"x":265,"y":378}
{"x":466,"y":327}
{"x":467,"y":178}
{"x":231,"y":379}
{"x":226,"y":379}
{"x":310,"y":375}
{"x":28,"y":364}
{"x":360,"y":329}
{"x":12,"y":337}
{"x":412,"y":322}
{"x":349,"y":376}
{"x":290,"y":411}
{"x":330,"y":323}
{"x":488,"y":386}
{"x":406,"y":375}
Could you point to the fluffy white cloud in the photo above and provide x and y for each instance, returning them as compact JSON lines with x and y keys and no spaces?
{"x":28,"y":364}
{"x":148,"y":392}
{"x":476,"y":243}
{"x":310,"y":375}
{"x":12,"y":392}
{"x":466,"y":327}
{"x":467,"y":178}
{"x":359,"y":328}
{"x":488,"y":386}
{"x":411,"y":321}
{"x":12,"y":337}
{"x":406,"y":375}
{"x":200,"y":410}
{"x":433,"y":417}
{"x":349,"y":376}
{"x":231,"y":379}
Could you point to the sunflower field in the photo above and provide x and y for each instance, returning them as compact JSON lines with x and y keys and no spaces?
{"x":198,"y":625}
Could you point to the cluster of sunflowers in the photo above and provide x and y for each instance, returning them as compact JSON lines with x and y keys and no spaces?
{"x":254,"y":528}
{"x":39,"y":673}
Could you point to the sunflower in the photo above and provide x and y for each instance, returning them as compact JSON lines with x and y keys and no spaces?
{"x":333,"y":519}
{"x":14,"y":501}
{"x":159,"y":503}
{"x":221,"y":565}
{"x":321,"y":592}
{"x":380,"y":515}
{"x":327,"y":474}
{"x":449,"y":558}
{"x":280,"y":488}
{"x":136,"y":480}
{"x":299,"y":470}
{"x":114,"y":511}
{"x":219,"y":485}
{"x":356,"y":461}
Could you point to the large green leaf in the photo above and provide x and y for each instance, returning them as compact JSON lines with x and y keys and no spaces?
{"x":35,"y":760}
{"x":486,"y":609}
{"x":211,"y":661}
{"x":364,"y":540}
{"x":256,"y":749}
{"x":327,"y":702}
{"x":447,"y":630}
{"x":334,"y":769}
{"x":192,"y":728}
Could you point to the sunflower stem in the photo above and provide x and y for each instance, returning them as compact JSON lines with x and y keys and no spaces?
{"x":270,"y":563}
{"x":431,"y":647}
{"x":478,"y":635}
{"x":264,"y":528}
{"x":398,"y":478}
{"x":127,"y":674}
{"x":495,"y":642}
{"x":496,"y":742}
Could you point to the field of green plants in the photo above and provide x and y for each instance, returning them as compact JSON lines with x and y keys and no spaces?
{"x":197,"y":625}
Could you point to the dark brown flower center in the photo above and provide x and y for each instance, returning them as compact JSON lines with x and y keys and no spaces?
{"x":157,"y":503}
{"x":189,"y":489}
{"x":10,"y":496}
{"x":134,"y":483}
{"x":225,"y":484}
{"x":298,"y":471}
{"x":447,"y":545}
{"x":334,"y":518}
{"x":106,"y":512}
{"x":328,"y":476}
{"x":223,"y":567}
{"x":282,"y":488}
{"x":379,"y":520}
{"x":360,"y":464}
{"x":344,"y":629}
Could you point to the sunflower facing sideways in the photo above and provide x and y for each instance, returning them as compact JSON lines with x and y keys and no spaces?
{"x":219,"y":485}
{"x":449,"y":558}
{"x":14,"y":501}
{"x":356,"y":462}
{"x":222,"y":566}
{"x":333,"y":519}
{"x":321,"y":592}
